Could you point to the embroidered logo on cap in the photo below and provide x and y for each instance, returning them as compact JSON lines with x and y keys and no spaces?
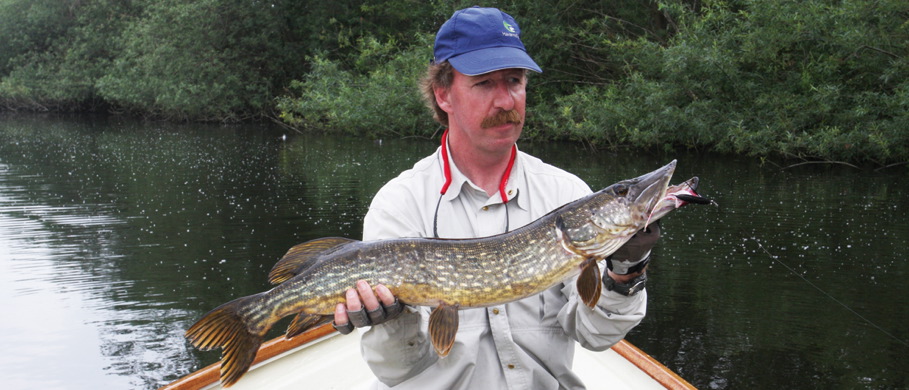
{"x":511,"y":31}
{"x":508,"y":27}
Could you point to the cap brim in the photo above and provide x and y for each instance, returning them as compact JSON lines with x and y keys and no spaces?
{"x":491,"y":59}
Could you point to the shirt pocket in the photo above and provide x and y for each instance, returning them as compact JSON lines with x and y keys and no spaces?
{"x":552,"y":302}
{"x":538,"y":311}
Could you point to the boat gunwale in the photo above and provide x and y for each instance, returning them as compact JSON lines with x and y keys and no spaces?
{"x":280,"y":345}
{"x":270,"y":349}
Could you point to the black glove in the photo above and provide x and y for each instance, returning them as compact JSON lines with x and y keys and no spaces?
{"x":635,"y":254}
{"x":361,"y":318}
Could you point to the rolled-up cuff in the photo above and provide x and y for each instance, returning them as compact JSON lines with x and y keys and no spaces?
{"x":359,"y":318}
{"x":343,"y":329}
{"x":376,"y":316}
{"x":393,"y":310}
{"x":625,"y":267}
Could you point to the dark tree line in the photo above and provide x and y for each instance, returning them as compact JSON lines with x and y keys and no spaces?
{"x":813,"y":79}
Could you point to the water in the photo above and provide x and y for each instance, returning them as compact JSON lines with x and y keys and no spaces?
{"x":116,"y":235}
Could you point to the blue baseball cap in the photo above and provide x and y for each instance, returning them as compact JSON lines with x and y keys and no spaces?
{"x":482,"y":40}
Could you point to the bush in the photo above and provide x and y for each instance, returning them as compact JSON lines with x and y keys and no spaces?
{"x":201,"y":60}
{"x":52,"y":52}
{"x":379,"y":96}
{"x":811,"y":79}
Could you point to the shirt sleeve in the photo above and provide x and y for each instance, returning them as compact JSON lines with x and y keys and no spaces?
{"x":399,"y":349}
{"x":606,"y":324}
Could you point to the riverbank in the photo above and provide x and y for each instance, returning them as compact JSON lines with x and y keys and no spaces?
{"x":803,"y":81}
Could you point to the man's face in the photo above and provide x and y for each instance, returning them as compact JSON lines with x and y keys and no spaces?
{"x":488,"y":110}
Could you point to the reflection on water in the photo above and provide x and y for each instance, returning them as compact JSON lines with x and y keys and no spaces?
{"x":116,"y":236}
{"x":70,"y":319}
{"x":764,"y":292}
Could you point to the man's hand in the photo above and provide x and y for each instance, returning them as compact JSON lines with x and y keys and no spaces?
{"x":365,"y":307}
{"x":631,"y":259}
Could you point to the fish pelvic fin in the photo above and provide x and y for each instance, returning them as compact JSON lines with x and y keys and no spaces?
{"x":300,"y":257}
{"x":303,"y":322}
{"x":443,"y":326}
{"x":225,"y":328}
{"x":589,"y":283}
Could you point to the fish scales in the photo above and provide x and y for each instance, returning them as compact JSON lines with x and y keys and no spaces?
{"x":478,"y":276}
{"x":446,"y":274}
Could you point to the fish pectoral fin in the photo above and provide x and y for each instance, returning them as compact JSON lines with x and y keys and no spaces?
{"x":302,"y":256}
{"x":565,"y":239}
{"x":443,"y":326}
{"x":303,"y":322}
{"x":589,"y":282}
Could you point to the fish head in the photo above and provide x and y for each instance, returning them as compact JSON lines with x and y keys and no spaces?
{"x":607,"y":219}
{"x":637,"y":197}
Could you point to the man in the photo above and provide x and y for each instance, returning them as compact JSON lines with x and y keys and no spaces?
{"x":478,"y":184}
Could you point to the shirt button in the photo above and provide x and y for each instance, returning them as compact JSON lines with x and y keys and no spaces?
{"x":485,"y":208}
{"x":510,"y":192}
{"x":511,"y":366}
{"x":495,"y":311}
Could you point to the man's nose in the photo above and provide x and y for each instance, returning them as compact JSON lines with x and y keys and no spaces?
{"x":504,"y":97}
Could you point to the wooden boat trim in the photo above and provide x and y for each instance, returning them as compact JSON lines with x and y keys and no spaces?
{"x":279,"y":345}
{"x":662,"y":374}
{"x":270,"y":349}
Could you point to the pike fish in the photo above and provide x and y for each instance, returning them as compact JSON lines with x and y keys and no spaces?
{"x":445,"y":274}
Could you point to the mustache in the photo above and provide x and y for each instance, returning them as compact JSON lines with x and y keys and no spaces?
{"x":501,"y":118}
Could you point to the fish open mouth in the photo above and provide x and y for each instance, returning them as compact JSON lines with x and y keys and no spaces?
{"x":677,"y":196}
{"x":686,"y":193}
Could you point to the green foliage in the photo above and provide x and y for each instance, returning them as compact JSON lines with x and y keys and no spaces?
{"x":28,"y":26}
{"x":378,"y":96}
{"x":808,"y":79}
{"x":812,"y":79}
{"x":55,"y":51}
{"x":222,"y":63}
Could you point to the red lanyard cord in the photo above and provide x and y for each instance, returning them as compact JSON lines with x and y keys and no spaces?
{"x":446,"y":170}
{"x":446,"y":166}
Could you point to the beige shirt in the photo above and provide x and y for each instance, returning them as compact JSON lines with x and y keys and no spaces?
{"x":527,"y":344}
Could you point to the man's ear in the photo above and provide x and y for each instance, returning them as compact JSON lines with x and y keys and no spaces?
{"x":442,"y":98}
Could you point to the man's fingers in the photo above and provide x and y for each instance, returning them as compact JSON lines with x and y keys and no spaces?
{"x":345,"y":326}
{"x":359,"y":303}
{"x":365,"y":307}
{"x":385,"y":295}
{"x":367,"y":296}
{"x":341,"y":314}
{"x":353,"y":300}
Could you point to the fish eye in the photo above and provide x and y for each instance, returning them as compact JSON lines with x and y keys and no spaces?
{"x":621,"y":190}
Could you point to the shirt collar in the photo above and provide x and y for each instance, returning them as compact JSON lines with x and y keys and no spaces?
{"x":515,"y":185}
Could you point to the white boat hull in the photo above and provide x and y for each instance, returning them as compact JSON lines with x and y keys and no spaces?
{"x":328,"y":360}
